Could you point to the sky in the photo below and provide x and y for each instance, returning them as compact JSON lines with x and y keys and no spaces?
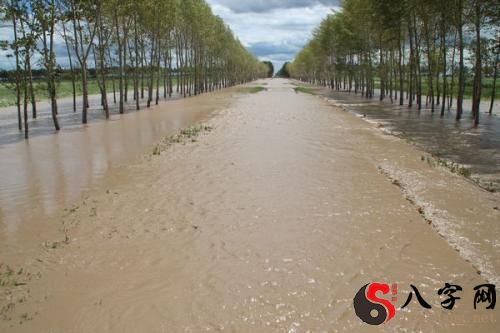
{"x":273,"y":30}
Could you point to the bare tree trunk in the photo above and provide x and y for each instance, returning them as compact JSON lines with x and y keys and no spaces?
{"x":430,"y":65}
{"x":113,"y":76}
{"x":136,"y":71}
{"x":444,"y":55}
{"x":170,"y":83}
{"x":48,"y":51}
{"x":102,"y":66}
{"x":25,"y":87}
{"x":411,"y":66}
{"x":18,"y":69}
{"x":452,"y":84}
{"x":143,"y":57}
{"x":82,"y":55}
{"x":476,"y":94}
{"x":152,"y":64}
{"x":401,"y":72}
{"x":120,"y":62}
{"x":461,"y":69}
{"x":382,"y":72}
{"x":73,"y":78}
{"x":418,"y":71}
{"x":31,"y":89}
{"x":125,"y":69}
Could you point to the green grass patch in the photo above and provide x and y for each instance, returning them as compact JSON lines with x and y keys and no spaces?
{"x":186,"y":135}
{"x":436,"y":161}
{"x":486,"y":89}
{"x":9,"y":278}
{"x":64,"y":88}
{"x":305,"y":90}
{"x":252,"y":90}
{"x":450,"y":165}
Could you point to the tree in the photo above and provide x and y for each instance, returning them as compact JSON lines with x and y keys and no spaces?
{"x":46,"y":17}
{"x":12,"y":11}
{"x":151,"y":42}
{"x":284,"y":72}
{"x":404,"y":47}
{"x":270,"y":68}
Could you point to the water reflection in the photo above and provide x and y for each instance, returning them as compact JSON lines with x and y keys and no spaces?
{"x":50,"y":170}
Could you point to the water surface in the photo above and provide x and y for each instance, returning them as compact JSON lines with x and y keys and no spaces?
{"x":476,"y":148}
{"x":50,"y":170}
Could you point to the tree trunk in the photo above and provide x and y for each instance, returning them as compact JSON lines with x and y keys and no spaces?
{"x":136,"y":71}
{"x":476,"y":94}
{"x":31,"y":90}
{"x":120,"y":63}
{"x":102,"y":66}
{"x":73,"y":78}
{"x":444,"y":54}
{"x":48,"y":51}
{"x":25,"y":86}
{"x":18,"y":71}
{"x":461,"y":67}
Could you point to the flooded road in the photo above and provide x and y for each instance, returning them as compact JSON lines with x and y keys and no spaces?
{"x":51,"y":170}
{"x":269,"y":222}
{"x":476,"y":148}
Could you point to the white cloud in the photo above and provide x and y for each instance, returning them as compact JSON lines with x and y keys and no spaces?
{"x":261,"y":6}
{"x":273,"y":30}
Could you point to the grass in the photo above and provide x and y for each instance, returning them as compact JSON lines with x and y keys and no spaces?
{"x":64,"y":89}
{"x":450,"y":165}
{"x":8,"y":278}
{"x":305,"y":90}
{"x":487,"y":86}
{"x":436,"y":161}
{"x":251,"y":90}
{"x":185,"y":135}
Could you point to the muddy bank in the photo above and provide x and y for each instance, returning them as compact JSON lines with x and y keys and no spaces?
{"x":270,"y":221}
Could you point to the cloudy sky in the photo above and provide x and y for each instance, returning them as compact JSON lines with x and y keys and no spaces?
{"x":273,"y":30}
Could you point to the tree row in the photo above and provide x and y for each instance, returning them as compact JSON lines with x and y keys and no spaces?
{"x":419,"y":52}
{"x":149,"y":48}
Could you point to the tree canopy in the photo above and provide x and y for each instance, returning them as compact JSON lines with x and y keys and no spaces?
{"x":147,"y":46}
{"x":405,"y":47}
{"x":270,"y":68}
{"x":284,"y":72}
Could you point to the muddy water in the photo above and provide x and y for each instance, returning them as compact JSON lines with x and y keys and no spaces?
{"x":68,"y":120}
{"x":269,"y":223}
{"x":40,"y":176}
{"x":476,"y":148}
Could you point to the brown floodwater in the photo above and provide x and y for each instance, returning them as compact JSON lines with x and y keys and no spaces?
{"x":271,"y":222}
{"x":476,"y":148}
{"x":40,"y":176}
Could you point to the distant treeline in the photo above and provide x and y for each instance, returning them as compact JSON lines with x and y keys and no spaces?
{"x":270,"y":68}
{"x":144,"y":45}
{"x":410,"y":50}
{"x":284,"y":72}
